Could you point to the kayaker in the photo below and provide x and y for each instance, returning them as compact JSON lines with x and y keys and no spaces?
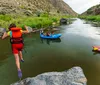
{"x":16,"y":40}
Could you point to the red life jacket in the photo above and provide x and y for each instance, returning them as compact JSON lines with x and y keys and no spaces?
{"x":16,"y":36}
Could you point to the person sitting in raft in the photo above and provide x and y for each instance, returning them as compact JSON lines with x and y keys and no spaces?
{"x":16,"y":40}
{"x":41,"y":31}
{"x":52,"y":32}
{"x":48,"y":34}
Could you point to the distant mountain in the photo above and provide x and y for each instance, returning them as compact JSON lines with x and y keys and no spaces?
{"x":95,"y":10}
{"x":32,"y":6}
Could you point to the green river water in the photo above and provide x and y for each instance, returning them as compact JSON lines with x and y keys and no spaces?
{"x":74,"y":48}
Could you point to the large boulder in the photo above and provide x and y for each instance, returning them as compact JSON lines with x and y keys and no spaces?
{"x":63,"y":21}
{"x":73,"y":76}
{"x":2,"y":30}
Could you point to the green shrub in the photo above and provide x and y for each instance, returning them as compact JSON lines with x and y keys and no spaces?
{"x":44,"y":15}
{"x":34,"y":22}
{"x":5,"y":17}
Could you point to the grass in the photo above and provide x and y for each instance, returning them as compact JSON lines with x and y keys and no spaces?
{"x":95,"y":18}
{"x":32,"y":21}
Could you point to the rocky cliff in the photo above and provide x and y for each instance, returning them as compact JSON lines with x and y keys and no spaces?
{"x":32,"y":6}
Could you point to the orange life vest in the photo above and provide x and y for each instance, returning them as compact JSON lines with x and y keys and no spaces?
{"x":16,"y":36}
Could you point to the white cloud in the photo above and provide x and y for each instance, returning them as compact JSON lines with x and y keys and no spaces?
{"x":81,"y":5}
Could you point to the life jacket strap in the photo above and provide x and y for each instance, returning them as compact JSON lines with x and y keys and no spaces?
{"x":17,"y":40}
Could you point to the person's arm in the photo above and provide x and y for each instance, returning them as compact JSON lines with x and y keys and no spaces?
{"x":25,"y":31}
{"x":5,"y":35}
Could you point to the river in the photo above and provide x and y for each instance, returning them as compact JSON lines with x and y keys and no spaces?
{"x":74,"y":48}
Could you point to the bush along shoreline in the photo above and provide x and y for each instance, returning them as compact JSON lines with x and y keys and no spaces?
{"x":32,"y":21}
{"x":94,"y":19}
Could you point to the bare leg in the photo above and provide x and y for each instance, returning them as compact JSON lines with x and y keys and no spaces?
{"x":17,"y":61}
{"x":20,"y":55}
{"x":18,"y":65}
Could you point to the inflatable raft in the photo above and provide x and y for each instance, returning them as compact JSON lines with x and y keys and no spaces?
{"x":96,"y":48}
{"x":52,"y":36}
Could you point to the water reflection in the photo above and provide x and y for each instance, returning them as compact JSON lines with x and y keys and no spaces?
{"x":48,"y":41}
{"x":95,"y":52}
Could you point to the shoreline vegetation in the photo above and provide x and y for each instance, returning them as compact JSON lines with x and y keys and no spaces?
{"x":43,"y":21}
{"x":94,"y":19}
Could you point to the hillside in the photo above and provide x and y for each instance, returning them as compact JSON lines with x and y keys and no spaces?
{"x":29,"y":7}
{"x":95,"y":10}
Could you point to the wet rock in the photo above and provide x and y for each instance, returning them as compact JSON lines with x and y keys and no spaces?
{"x":2,"y":30}
{"x":63,"y":21}
{"x":73,"y":76}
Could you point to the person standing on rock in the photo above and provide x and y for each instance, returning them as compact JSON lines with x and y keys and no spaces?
{"x":16,"y":40}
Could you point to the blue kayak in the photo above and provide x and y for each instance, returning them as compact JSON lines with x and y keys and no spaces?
{"x":52,"y":36}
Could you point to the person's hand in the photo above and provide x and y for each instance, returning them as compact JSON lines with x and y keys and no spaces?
{"x":4,"y":35}
{"x":25,"y":26}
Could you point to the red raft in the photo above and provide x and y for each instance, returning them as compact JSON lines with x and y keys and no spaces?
{"x":96,"y":48}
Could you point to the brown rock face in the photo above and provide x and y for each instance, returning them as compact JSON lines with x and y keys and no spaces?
{"x":32,"y":6}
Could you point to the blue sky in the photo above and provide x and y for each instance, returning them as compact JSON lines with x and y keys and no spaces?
{"x":81,"y":6}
